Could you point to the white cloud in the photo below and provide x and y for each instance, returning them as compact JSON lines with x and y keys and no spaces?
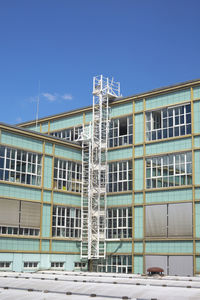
{"x":66,"y":97}
{"x":50,"y":97}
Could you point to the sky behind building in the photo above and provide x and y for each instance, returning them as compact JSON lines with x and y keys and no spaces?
{"x":61,"y":44}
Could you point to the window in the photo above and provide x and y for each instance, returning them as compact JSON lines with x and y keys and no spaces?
{"x":5,"y":265}
{"x":20,"y":166}
{"x":168,"y":122}
{"x":30,"y":265}
{"x":67,"y":175}
{"x":57,"y":265}
{"x":120,"y":176}
{"x":115,"y":264}
{"x":70,"y":134}
{"x":66,"y":222}
{"x":119,"y":223}
{"x":121,"y":132}
{"x":19,"y":217}
{"x":169,"y":170}
{"x":79,"y":265}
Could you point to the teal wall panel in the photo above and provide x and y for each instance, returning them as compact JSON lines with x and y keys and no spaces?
{"x":168,"y":196}
{"x":33,"y":128}
{"x":48,"y":148}
{"x":20,"y":192}
{"x":46,"y":220}
{"x":17,"y":262}
{"x":21,"y":141}
{"x":19,"y":244}
{"x":138,"y":247}
{"x":118,"y":247}
{"x":197,"y":219}
{"x":68,"y":153}
{"x":44,"y":127}
{"x":47,"y":171}
{"x":198,"y":264}
{"x":125,"y":153}
{"x":139,"y":105}
{"x":170,"y":247}
{"x":196,"y":92}
{"x":138,"y":151}
{"x":123,"y":199}
{"x":65,"y":246}
{"x":197,"y":246}
{"x":138,"y":198}
{"x":139,"y":128}
{"x":121,"y":109}
{"x":88,"y":117}
{"x":197,"y":193}
{"x":167,"y":99}
{"x":169,"y":146}
{"x":197,"y":167}
{"x":138,"y":264}
{"x":64,"y":198}
{"x":47,"y":196}
{"x":138,"y":174}
{"x":197,"y":141}
{"x":138,"y":221}
{"x":45,"y":245}
{"x":197,"y":117}
{"x":66,"y":122}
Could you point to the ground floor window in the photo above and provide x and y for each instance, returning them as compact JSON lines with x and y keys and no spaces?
{"x":5,"y":265}
{"x":31,"y":265}
{"x":57,"y":265}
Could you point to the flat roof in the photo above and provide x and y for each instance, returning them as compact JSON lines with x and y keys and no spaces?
{"x":101,"y":286}
{"x":138,"y":96}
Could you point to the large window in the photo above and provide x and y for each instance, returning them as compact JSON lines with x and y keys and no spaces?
{"x":120,"y":176}
{"x":19,"y":217}
{"x":66,"y":222}
{"x":121,"y":132}
{"x":168,"y":122}
{"x":70,"y":134}
{"x":115,"y":264}
{"x":169,"y":170}
{"x":20,"y":166}
{"x":119,"y":223}
{"x":67,"y":175}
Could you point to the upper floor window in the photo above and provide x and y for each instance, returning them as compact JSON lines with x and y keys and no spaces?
{"x":120,"y":176}
{"x":20,"y":166}
{"x":169,"y":170}
{"x":67,"y":175}
{"x":121,"y":132}
{"x":119,"y":223}
{"x":70,"y":134}
{"x":168,"y":122}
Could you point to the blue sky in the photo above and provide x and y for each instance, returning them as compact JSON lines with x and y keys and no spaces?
{"x":62,"y":44}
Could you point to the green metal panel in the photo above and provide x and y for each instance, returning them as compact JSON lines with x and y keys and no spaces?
{"x":196,"y":92}
{"x":66,"y":122}
{"x":123,"y":199}
{"x":197,"y":219}
{"x":125,"y":153}
{"x":138,"y":247}
{"x":197,"y":193}
{"x":21,"y":141}
{"x":170,"y":247}
{"x":138,"y":198}
{"x":138,"y":174}
{"x":169,"y":146}
{"x":138,"y":220}
{"x":45,"y":127}
{"x":167,"y":99}
{"x":197,"y":117}
{"x":19,"y":244}
{"x":31,"y":257}
{"x":168,"y":196}
{"x":34,"y":128}
{"x":45,"y":261}
{"x":139,"y":105}
{"x":198,"y":264}
{"x":121,"y":109}
{"x":47,"y":171}
{"x":197,"y":167}
{"x":46,"y":220}
{"x":139,"y":128}
{"x":45,"y":245}
{"x":65,"y":246}
{"x":19,"y":192}
{"x":138,"y":264}
{"x":197,"y":141}
{"x":138,"y":150}
{"x":48,"y":148}
{"x":68,"y":153}
{"x":118,"y":247}
{"x":64,"y":198}
{"x":47,"y":196}
{"x":197,"y":246}
{"x":17,"y":262}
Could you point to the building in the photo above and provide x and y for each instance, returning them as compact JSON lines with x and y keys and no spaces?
{"x":152,"y":201}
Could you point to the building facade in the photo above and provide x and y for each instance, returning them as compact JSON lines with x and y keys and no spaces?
{"x":153,"y":189}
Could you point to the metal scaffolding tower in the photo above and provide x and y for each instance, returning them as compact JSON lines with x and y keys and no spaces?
{"x":94,"y":170}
